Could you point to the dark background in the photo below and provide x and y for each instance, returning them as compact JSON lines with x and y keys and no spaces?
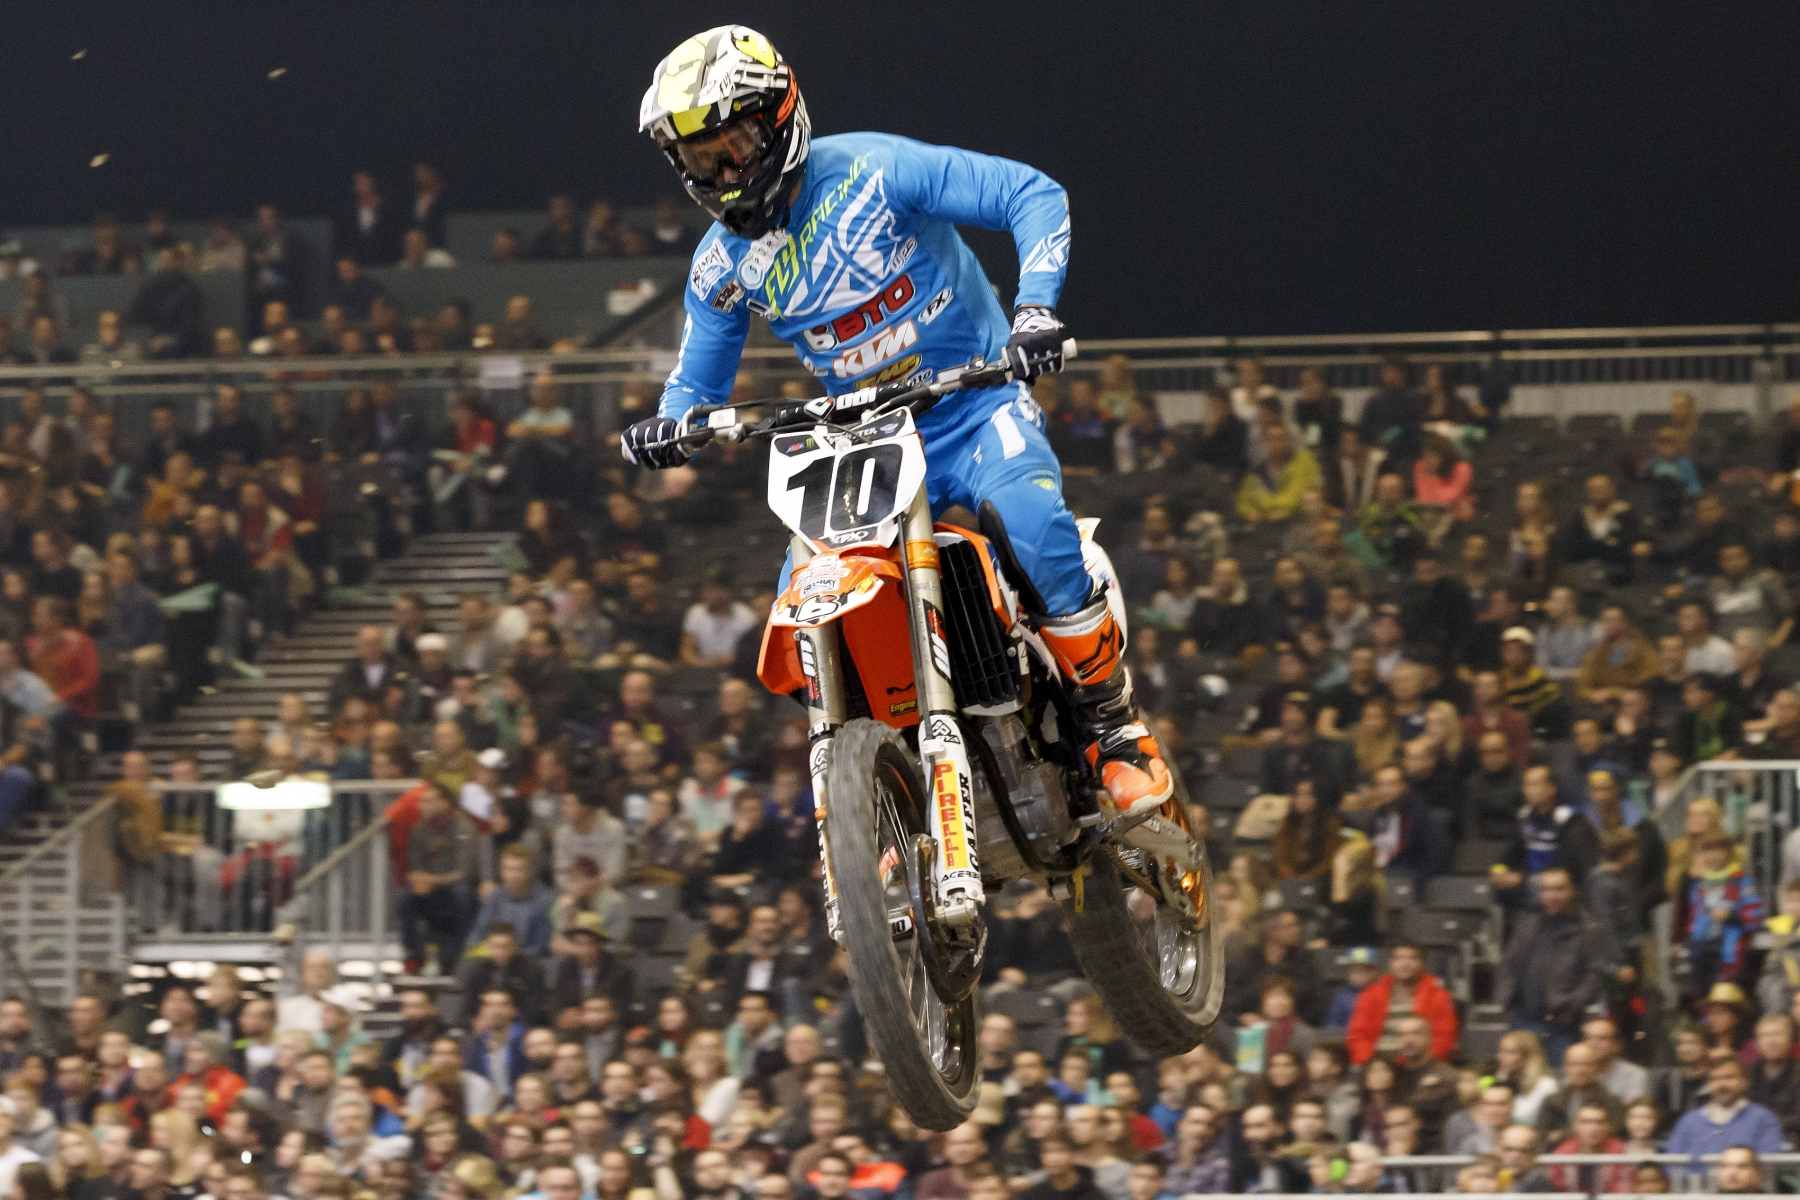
{"x":1233,"y":168}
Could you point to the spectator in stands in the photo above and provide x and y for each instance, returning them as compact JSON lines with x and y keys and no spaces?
{"x":1351,"y":472}
{"x":561,"y":238}
{"x":519,"y":331}
{"x":519,"y":901}
{"x":1407,"y":989}
{"x":1273,"y":490}
{"x":1391,"y":416}
{"x":714,"y":624}
{"x":1604,"y":533}
{"x":1552,"y":968}
{"x":440,"y":877}
{"x":67,"y":660}
{"x":172,"y":306}
{"x":1723,"y":910}
{"x":110,"y":345}
{"x":1281,"y":952}
{"x":1744,"y":597}
{"x":541,"y":441}
{"x":504,"y":967}
{"x":1775,"y":1076}
{"x":1390,"y":531}
{"x":1625,"y":1080}
{"x":370,"y":673}
{"x":1727,"y":1119}
{"x":276,"y":265}
{"x":428,"y":208}
{"x":1620,"y":659}
{"x":1220,"y":440}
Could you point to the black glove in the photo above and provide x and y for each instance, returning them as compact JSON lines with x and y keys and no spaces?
{"x":651,"y":443}
{"x":1035,"y":347}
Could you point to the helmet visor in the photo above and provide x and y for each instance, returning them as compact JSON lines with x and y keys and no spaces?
{"x":737,"y":146}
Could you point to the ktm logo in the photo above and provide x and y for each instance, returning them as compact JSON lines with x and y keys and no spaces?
{"x":871,"y":353}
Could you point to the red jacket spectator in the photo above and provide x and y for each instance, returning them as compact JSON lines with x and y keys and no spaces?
{"x":401,"y":816}
{"x":1615,"y":1177}
{"x":1430,"y":1001}
{"x":222,"y":1086}
{"x":67,"y":660}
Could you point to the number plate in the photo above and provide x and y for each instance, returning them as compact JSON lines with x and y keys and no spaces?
{"x":838,"y":488}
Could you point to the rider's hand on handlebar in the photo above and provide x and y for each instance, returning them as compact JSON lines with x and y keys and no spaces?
{"x":655,"y":442}
{"x":651,"y":443}
{"x":1036,"y":345}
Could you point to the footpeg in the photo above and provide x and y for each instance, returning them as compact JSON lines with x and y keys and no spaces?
{"x":1159,"y":838}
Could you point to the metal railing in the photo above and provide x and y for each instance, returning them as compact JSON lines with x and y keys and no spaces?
{"x":51,"y":931}
{"x":1687,"y":1172}
{"x":226,"y":876}
{"x":347,"y":899}
{"x":593,"y":381}
{"x":1760,"y":802}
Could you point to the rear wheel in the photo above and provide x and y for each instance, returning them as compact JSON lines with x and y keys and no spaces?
{"x":1162,"y":978}
{"x":875,"y":823}
{"x":1158,"y":961}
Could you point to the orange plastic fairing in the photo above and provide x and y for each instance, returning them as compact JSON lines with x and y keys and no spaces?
{"x":871,"y":618}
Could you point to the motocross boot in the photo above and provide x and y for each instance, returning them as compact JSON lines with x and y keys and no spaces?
{"x":1087,"y":646}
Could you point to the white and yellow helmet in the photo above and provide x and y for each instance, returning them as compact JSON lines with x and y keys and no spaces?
{"x":725,"y":108}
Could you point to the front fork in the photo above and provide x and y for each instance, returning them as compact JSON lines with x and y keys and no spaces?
{"x":957,"y":872}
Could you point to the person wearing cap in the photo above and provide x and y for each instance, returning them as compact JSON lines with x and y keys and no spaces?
{"x":518,"y":900}
{"x":1361,"y":970}
{"x":433,"y":673}
{"x":340,"y":1031}
{"x":589,"y":966}
{"x":1526,"y":686}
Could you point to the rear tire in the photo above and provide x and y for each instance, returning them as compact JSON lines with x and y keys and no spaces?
{"x":877,"y":810}
{"x":1163,"y":984}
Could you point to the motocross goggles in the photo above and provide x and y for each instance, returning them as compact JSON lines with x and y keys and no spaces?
{"x":740,"y":144}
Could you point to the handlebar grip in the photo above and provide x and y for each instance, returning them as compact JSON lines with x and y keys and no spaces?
{"x":1070,"y":349}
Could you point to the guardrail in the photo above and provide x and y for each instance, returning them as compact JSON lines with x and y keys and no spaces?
{"x":347,"y":899}
{"x":227,"y":876}
{"x":26,"y":932}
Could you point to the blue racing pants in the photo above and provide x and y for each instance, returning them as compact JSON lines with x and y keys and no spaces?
{"x":991,"y":446}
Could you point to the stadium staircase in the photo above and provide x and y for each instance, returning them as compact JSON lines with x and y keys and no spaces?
{"x":61,"y":918}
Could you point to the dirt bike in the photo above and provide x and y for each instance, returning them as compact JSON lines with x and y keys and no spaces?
{"x":944,"y":753}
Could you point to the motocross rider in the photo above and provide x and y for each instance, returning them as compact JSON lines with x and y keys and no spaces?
{"x":847,"y":247}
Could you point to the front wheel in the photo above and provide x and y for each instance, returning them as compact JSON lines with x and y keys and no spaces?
{"x":876,"y":818}
{"x":1163,"y":979}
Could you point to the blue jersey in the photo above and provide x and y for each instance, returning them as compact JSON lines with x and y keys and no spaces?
{"x":869,"y":280}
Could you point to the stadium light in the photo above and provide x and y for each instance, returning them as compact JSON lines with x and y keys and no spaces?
{"x":285,"y":796}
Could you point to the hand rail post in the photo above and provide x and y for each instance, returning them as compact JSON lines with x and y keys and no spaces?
{"x":379,"y":894}
{"x":71,"y":916}
{"x":334,"y":913}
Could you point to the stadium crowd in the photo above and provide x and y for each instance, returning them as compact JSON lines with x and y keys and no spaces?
{"x":1402,"y":676}
{"x":356,"y":315}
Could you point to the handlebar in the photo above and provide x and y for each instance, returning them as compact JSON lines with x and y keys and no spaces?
{"x":974,"y":375}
